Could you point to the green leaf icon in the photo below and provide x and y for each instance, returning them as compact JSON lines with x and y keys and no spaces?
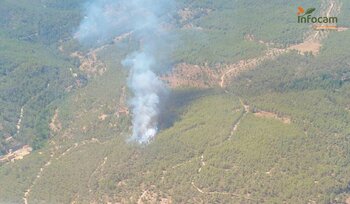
{"x":309,"y":11}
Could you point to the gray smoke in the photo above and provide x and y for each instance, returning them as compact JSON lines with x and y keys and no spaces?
{"x":147,"y":20}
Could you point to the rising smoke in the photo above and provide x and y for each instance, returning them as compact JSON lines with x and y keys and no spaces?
{"x":147,"y":20}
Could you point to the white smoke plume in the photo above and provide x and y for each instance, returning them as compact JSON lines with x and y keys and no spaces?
{"x":146,"y":19}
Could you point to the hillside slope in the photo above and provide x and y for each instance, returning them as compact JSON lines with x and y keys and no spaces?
{"x":249,"y":119}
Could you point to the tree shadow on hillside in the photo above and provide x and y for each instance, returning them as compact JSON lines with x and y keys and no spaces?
{"x":176,"y":103}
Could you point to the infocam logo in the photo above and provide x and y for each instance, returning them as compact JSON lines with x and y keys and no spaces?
{"x":304,"y":16}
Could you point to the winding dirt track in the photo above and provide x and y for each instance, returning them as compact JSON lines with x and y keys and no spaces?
{"x":38,"y":175}
{"x":54,"y":150}
{"x":231,"y":71}
{"x":269,"y":55}
{"x":98,"y":168}
{"x":18,"y":126}
{"x":245,"y":65}
{"x":236,"y":124}
{"x":311,"y":43}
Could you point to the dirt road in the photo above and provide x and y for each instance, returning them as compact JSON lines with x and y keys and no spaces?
{"x":312,"y":43}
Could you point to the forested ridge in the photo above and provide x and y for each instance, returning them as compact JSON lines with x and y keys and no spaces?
{"x":277,"y":132}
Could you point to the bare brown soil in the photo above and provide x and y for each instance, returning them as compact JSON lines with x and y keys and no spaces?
{"x":347,"y":201}
{"x":312,"y":46}
{"x":313,"y":42}
{"x":89,"y":63}
{"x":233,"y":70}
{"x":187,"y":75}
{"x":17,"y":155}
{"x":122,"y":106}
{"x":203,"y":76}
{"x":102,"y":117}
{"x":265,"y":114}
{"x":55,"y":125}
{"x":148,"y":196}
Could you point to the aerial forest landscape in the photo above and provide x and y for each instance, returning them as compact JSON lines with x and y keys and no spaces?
{"x":174,"y":101}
